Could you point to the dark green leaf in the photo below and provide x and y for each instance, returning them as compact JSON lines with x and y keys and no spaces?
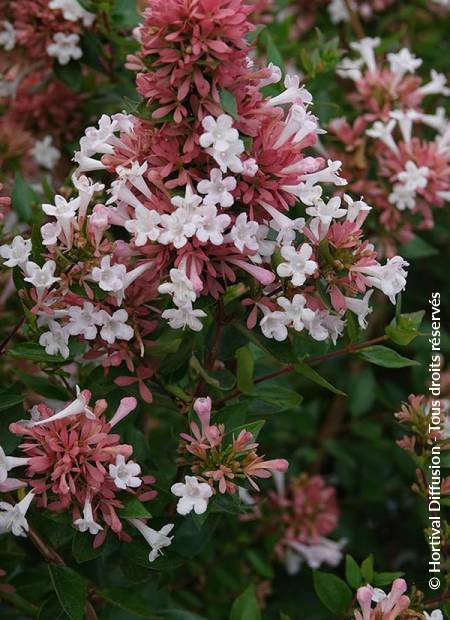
{"x":352,"y":572}
{"x":228,"y":103}
{"x":245,"y":607}
{"x":367,"y":569}
{"x":36,"y":353}
{"x":245,"y":366}
{"x":405,"y":328}
{"x":332,"y":591}
{"x":382,"y":356}
{"x":133,"y":508}
{"x":129,"y":600}
{"x":313,"y":375}
{"x":22,"y":199}
{"x":70,"y":589}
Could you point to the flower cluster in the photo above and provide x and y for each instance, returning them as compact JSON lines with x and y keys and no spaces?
{"x":392,"y":126}
{"x":204,"y":199}
{"x":219,"y":464}
{"x":39,"y":109}
{"x":300,"y":513}
{"x":74,"y":462}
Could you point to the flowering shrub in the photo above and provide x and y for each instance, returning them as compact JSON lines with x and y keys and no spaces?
{"x":203,"y":337}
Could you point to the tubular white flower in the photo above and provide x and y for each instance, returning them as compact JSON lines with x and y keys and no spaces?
{"x":184,"y":316}
{"x":78,"y":406}
{"x":9,"y":462}
{"x":55,"y":341}
{"x":194,"y":495}
{"x":17,"y":253}
{"x":401,"y":63}
{"x":350,"y":69}
{"x":360,"y":307}
{"x":218,"y":189}
{"x":294,"y":93}
{"x":365,"y":48}
{"x":110,"y":278}
{"x":145,"y":226}
{"x":298,"y":264}
{"x":84,"y":320}
{"x":295,"y":311}
{"x":180,"y":287}
{"x":45,"y":154}
{"x":383,"y":132}
{"x":42,"y":278}
{"x":87,"y":523}
{"x":114,"y":327}
{"x":243,"y":233}
{"x":189,"y":203}
{"x":274,"y":325}
{"x":157,"y":540}
{"x":125,"y":474}
{"x":177,"y":228}
{"x":7,"y":36}
{"x":327,"y":175}
{"x":65,"y":48}
{"x":436,"y":86}
{"x":210,"y":225}
{"x":13,"y":518}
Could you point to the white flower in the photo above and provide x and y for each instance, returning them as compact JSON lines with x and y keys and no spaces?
{"x":306,"y":192}
{"x":87,"y":523}
{"x":365,"y":48}
{"x":405,"y":121}
{"x":298,"y":264}
{"x":125,"y":122}
{"x":414,"y":177}
{"x":55,"y":341}
{"x":7,"y":36}
{"x":228,"y":159}
{"x":41,"y":278}
{"x":12,"y":518}
{"x":217,"y":189}
{"x":76,"y":407}
{"x":338,"y":11}
{"x":145,"y":226}
{"x":350,"y":69}
{"x":114,"y":327}
{"x":436,"y":614}
{"x":177,"y":228}
{"x":326,"y":212}
{"x":86,"y":163}
{"x":65,"y":48}
{"x":125,"y":474}
{"x":274,"y":325}
{"x":403,"y":62}
{"x":360,"y":307}
{"x":294,"y":93}
{"x":50,"y":233}
{"x":329,"y":174}
{"x":389,"y":278}
{"x":325,"y":551}
{"x":156,"y":539}
{"x":383,"y":132}
{"x":180,"y":287}
{"x":84,"y":320}
{"x":194,"y":495}
{"x":243,"y":233}
{"x":402,"y":197}
{"x":210,"y":225}
{"x":219,"y":134}
{"x":437,"y":121}
{"x":249,"y":167}
{"x":16,"y":254}
{"x":45,"y":154}
{"x":274,"y":77}
{"x":184,"y":316}
{"x":72,"y":11}
{"x":266,"y":247}
{"x":65,"y":212}
{"x":134,"y":174}
{"x":109,"y":277}
{"x":355,"y":207}
{"x":9,"y":462}
{"x":436,"y":86}
{"x":189,"y":203}
{"x":295,"y":311}
{"x":97,"y":139}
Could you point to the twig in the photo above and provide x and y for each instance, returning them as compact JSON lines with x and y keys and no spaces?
{"x":351,"y":348}
{"x":10,"y":336}
{"x":354,"y":19}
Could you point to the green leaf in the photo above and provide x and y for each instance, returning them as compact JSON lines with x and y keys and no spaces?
{"x":332,"y":591}
{"x":313,"y":375}
{"x":417,"y":248}
{"x":228,"y":103}
{"x":133,"y":508}
{"x":82,"y":548}
{"x":70,"y":74}
{"x":10,"y":400}
{"x":382,"y":356}
{"x":404,"y":329}
{"x":272,"y":52}
{"x":284,"y":398}
{"x":34,"y":352}
{"x":23,"y":198}
{"x":245,"y":607}
{"x":129,"y":600}
{"x":252,"y":427}
{"x":70,"y":589}
{"x":367,"y":569}
{"x":245,"y":367}
{"x":124,"y":14}
{"x":352,"y":572}
{"x":362,"y":392}
{"x":42,"y":386}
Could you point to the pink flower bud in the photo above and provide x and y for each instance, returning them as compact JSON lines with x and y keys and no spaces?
{"x":127,"y":404}
{"x":202,"y":407}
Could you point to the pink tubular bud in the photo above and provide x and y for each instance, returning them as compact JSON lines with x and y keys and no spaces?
{"x":127,"y":404}
{"x":202,"y":407}
{"x":364,"y":597}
